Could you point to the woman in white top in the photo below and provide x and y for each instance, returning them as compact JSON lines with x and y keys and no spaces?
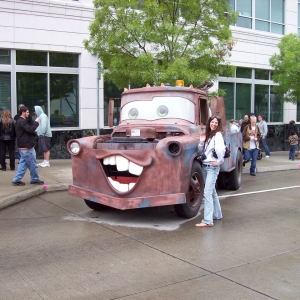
{"x":210,"y":142}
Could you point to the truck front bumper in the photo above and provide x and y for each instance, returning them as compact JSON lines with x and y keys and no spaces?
{"x":127,"y":203}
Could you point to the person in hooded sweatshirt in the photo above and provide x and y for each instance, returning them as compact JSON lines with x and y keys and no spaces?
{"x":44,"y":133}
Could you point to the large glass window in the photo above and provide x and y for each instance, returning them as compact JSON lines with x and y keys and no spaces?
{"x":268,"y":104}
{"x":262,"y":74}
{"x":243,"y":73}
{"x":261,"y":100}
{"x":5,"y":98}
{"x":64,"y":100}
{"x":243,"y":100}
{"x":32,"y":90}
{"x":4,"y":57}
{"x":63,"y":60}
{"x":31,"y":58}
{"x":228,"y":87}
{"x":267,"y":15}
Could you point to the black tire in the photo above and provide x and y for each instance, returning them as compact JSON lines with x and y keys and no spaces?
{"x":234,"y":177}
{"x":222,"y":181}
{"x":194,"y":194}
{"x":259,"y":157}
{"x":94,"y":205}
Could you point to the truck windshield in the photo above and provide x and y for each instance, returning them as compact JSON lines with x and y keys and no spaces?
{"x":159,"y":108}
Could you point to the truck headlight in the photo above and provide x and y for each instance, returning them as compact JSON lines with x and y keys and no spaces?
{"x":74,"y":148}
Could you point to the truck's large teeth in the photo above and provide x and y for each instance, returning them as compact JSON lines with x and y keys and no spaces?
{"x":114,"y":183}
{"x":112,"y":160}
{"x":135,"y":169}
{"x":122,"y":163}
{"x":106,"y":160}
{"x":121,"y":187}
{"x":131,"y":185}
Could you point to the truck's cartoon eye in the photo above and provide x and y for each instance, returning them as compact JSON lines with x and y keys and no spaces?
{"x":162,"y":110}
{"x":133,"y":113}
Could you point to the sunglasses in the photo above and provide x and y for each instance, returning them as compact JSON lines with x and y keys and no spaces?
{"x":215,"y":117}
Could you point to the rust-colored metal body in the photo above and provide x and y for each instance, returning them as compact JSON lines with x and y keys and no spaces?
{"x":147,"y":161}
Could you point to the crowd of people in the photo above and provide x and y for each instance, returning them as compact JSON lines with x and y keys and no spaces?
{"x":21,"y":133}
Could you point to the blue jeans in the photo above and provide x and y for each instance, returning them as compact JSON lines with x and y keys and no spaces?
{"x":27,"y":160}
{"x":212,"y":207}
{"x":251,"y":154}
{"x":264,"y":142}
{"x":292,"y":152}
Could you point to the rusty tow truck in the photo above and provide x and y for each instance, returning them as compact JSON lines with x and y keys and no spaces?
{"x":150,"y":157}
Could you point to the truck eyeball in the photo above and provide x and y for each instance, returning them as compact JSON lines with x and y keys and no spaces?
{"x":174,"y":148}
{"x":74,"y":148}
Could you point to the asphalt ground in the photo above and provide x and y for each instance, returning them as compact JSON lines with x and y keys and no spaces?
{"x":54,"y":247}
{"x":59,"y":175}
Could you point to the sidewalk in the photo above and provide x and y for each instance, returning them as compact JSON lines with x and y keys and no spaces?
{"x":59,"y":176}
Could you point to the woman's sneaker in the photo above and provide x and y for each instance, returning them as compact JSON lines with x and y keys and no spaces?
{"x":44,"y":164}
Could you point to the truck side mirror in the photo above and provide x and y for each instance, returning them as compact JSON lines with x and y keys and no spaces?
{"x":111,"y":105}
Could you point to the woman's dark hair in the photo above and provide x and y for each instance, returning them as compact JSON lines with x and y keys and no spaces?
{"x":292,"y":122}
{"x":209,"y":132}
{"x":293,"y":132}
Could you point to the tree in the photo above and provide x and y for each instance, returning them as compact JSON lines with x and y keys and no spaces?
{"x":156,"y":41}
{"x":286,"y":67}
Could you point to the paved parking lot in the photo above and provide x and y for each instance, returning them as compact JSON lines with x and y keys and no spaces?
{"x":54,"y":247}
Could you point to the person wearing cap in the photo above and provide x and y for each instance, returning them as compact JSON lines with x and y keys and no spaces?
{"x":233,"y":127}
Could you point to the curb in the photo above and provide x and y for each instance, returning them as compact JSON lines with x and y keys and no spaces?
{"x":24,"y":195}
{"x":272,"y":169}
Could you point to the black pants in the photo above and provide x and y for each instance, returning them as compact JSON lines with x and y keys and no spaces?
{"x":10,"y":144}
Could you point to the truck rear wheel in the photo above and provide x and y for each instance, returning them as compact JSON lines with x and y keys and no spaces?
{"x":222,"y":181}
{"x":94,"y":205}
{"x":194,"y":194}
{"x":234,"y":177}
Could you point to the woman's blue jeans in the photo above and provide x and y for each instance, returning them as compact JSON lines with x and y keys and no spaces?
{"x":212,"y":207}
{"x":251,"y":154}
{"x":27,"y":160}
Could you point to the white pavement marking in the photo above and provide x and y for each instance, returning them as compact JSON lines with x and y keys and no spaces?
{"x":263,"y":191}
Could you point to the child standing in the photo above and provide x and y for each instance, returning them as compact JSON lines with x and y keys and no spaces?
{"x":293,"y":141}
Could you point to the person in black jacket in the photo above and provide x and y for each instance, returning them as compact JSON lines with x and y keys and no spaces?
{"x":26,"y":141}
{"x":7,"y":139}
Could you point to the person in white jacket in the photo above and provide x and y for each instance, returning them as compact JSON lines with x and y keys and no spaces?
{"x":213,"y":147}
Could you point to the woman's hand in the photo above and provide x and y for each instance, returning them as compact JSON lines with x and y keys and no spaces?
{"x":214,"y":163}
{"x":202,"y":137}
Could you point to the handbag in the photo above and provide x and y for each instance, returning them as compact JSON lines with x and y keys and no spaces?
{"x":226,"y":154}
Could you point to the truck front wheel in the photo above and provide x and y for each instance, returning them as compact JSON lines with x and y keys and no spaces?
{"x":194,"y":194}
{"x":234,"y":177}
{"x":94,"y":205}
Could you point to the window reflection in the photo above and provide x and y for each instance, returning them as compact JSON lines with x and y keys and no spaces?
{"x":69,"y":60}
{"x":228,"y":98}
{"x":266,"y":100}
{"x":31,"y":58}
{"x":4,"y":57}
{"x":64,"y":100}
{"x":32,"y":90}
{"x":5,"y":100}
{"x":243,"y":100}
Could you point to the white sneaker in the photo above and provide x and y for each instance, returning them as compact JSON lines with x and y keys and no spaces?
{"x":44,"y":164}
{"x":267,"y":156}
